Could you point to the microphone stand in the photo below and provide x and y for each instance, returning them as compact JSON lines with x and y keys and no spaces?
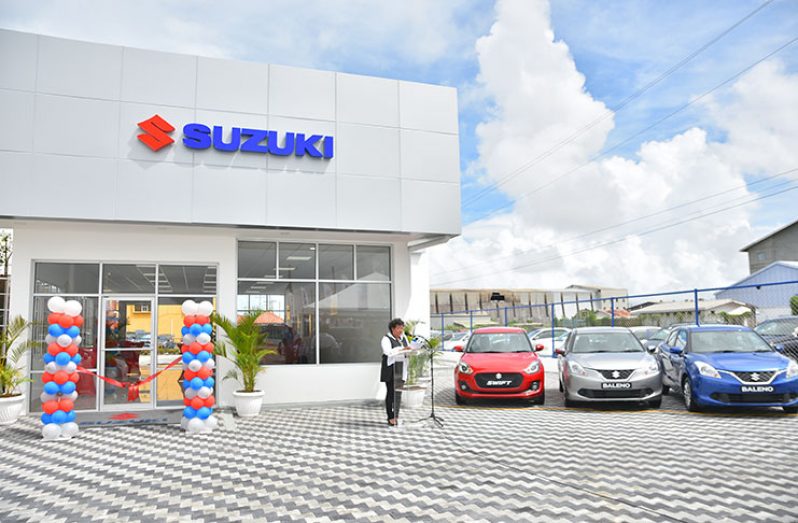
{"x":438,"y":421}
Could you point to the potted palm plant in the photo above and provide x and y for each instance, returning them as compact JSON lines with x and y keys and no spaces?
{"x":243,"y":346}
{"x":12,"y":400}
{"x":415,"y":387}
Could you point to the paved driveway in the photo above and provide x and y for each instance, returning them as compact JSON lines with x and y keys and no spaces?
{"x":495,"y":461}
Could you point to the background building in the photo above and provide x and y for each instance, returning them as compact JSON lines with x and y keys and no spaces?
{"x":780,"y":245}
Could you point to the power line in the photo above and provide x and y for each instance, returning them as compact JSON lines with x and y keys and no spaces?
{"x":626,"y":237}
{"x":614,"y":110}
{"x":642,"y":131}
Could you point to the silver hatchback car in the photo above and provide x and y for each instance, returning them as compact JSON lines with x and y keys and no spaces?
{"x":608,"y":364}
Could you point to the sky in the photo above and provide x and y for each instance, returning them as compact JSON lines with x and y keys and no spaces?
{"x":625,"y":143}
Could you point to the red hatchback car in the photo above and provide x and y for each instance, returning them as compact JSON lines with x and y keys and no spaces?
{"x":498,"y":362}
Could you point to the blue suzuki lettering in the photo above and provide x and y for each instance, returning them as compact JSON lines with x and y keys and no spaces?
{"x":196,"y":136}
{"x":274,"y":147}
{"x":218,"y":139}
{"x":254,"y":137}
{"x":306,"y":145}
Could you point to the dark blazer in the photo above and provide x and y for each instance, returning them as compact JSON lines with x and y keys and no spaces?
{"x":386,"y":371}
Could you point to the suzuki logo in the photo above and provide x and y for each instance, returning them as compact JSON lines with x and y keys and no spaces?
{"x":755,"y":376}
{"x":156,"y":131}
{"x":498,"y":376}
{"x":616,"y":374}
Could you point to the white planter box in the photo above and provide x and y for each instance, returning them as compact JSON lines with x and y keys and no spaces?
{"x":413,"y":398}
{"x":248,"y":403}
{"x":10,"y":409}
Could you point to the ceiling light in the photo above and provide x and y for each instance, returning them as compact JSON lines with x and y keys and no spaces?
{"x":298,"y":258}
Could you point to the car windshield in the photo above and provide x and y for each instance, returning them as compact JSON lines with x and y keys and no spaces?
{"x":728,"y":341}
{"x":644,"y":333}
{"x":499,"y":342}
{"x":457,"y":336}
{"x":784,"y":327}
{"x":660,"y":335}
{"x":585,"y":343}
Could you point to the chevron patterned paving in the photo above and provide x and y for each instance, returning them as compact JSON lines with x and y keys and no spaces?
{"x":493,"y":461}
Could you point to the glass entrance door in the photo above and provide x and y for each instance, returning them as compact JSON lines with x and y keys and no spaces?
{"x":127,"y":351}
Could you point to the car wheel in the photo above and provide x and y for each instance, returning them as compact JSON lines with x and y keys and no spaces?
{"x":689,"y":398}
{"x":791,"y":410}
{"x":655,"y":404}
{"x":458,"y":399}
{"x":666,"y":390}
{"x":539,"y":400}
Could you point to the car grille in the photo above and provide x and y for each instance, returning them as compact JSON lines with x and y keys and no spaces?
{"x":754,"y":397}
{"x":761,"y":377}
{"x":610,"y":394}
{"x":484,"y":380}
{"x":622,"y":374}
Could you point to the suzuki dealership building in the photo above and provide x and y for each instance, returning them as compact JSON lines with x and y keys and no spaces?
{"x":136,"y":179}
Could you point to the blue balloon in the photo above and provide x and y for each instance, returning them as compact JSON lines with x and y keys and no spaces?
{"x":76,"y":359}
{"x":62,"y":358}
{"x":48,"y":358}
{"x":71,"y":416}
{"x":184,"y":330}
{"x":67,"y":388}
{"x":204,"y":356}
{"x":207,"y":328}
{"x":59,"y":417}
{"x":196,"y":329}
{"x":196,"y":383}
{"x":55,"y":330}
{"x":187,"y":357}
{"x":47,"y":419}
{"x":203,"y":413}
{"x":209,"y":383}
{"x":73,"y":331}
{"x":189,"y":412}
{"x":52,"y":387}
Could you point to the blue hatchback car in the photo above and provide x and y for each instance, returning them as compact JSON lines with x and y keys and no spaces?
{"x":725,"y":365}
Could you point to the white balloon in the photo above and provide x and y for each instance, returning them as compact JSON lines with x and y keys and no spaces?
{"x":210,"y":364}
{"x":47,"y":397}
{"x":56,"y":304}
{"x":72,"y":308}
{"x":49,"y":339}
{"x":51,"y":431}
{"x":203,"y":338}
{"x":51,"y":367}
{"x":76,"y":340}
{"x":72,"y":396}
{"x":195,"y":425}
{"x":64,"y":340}
{"x":211,"y":422}
{"x":195,"y":365}
{"x":190,"y":307}
{"x":70,"y":367}
{"x":204,"y":392}
{"x":183,"y":422}
{"x":188,"y":339}
{"x":70,"y":429}
{"x":191,"y":392}
{"x":205,"y":308}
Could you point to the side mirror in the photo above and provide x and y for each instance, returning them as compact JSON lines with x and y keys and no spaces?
{"x":779,"y":347}
{"x":558,"y":351}
{"x":675,"y":350}
{"x":651,"y":348}
{"x":458,"y":348}
{"x":539,"y":347}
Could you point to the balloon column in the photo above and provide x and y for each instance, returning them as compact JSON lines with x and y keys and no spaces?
{"x":198,"y":367}
{"x":60,"y":368}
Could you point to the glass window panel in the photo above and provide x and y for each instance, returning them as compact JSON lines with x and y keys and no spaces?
{"x":88,"y":333}
{"x":297,"y":261}
{"x":373,"y":263}
{"x":288,"y":320}
{"x":67,"y":278}
{"x":86,"y":389}
{"x":127,"y":366}
{"x":353,"y":317}
{"x":336,"y":262}
{"x":257,"y":260}
{"x":187,"y":279}
{"x":128,"y":324}
{"x":129,"y":279}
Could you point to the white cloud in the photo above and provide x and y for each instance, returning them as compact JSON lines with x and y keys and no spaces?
{"x":540,"y":98}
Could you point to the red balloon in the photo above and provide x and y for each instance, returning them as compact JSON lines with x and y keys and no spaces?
{"x":53,"y":317}
{"x":53,"y":349}
{"x":195,"y":348}
{"x":186,"y":402}
{"x":74,"y":377}
{"x":66,"y":321}
{"x":210,"y":401}
{"x":50,"y":406}
{"x":189,"y":374}
{"x":197,"y":403}
{"x":183,"y":349}
{"x":77,"y":321}
{"x":47,"y":377}
{"x":60,"y":377}
{"x":208,"y":347}
{"x":72,"y":350}
{"x":202,"y":320}
{"x":204,"y":373}
{"x":188,"y":321}
{"x":65,"y":404}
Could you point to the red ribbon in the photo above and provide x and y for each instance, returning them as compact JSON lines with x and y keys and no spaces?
{"x":132,"y":388}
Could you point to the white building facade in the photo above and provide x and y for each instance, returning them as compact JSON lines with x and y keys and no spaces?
{"x":136,"y":179}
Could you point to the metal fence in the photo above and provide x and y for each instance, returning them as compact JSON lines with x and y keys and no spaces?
{"x":773,"y":304}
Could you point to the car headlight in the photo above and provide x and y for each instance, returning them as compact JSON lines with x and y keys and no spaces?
{"x":792,"y":370}
{"x":464,"y":368}
{"x":577,"y":369}
{"x":705,"y":369}
{"x":649,"y":370}
{"x":533,"y":367}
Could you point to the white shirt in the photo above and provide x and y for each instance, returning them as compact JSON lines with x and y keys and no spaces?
{"x":394,"y":354}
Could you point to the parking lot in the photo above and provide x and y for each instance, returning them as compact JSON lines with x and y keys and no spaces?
{"x":493,"y":461}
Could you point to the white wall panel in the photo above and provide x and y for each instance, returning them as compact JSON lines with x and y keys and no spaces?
{"x":291,"y":202}
{"x":159,"y":78}
{"x":15,"y":195}
{"x":430,"y":156}
{"x":305,"y":164}
{"x":301,"y":93}
{"x":228,"y":194}
{"x":369,"y":203}
{"x":18,"y":60}
{"x":76,"y":126}
{"x":73,"y":68}
{"x":227,"y":85}
{"x":132,"y":148}
{"x":228,"y":121}
{"x":428,"y":107}
{"x":430,"y":206}
{"x":87,"y":190}
{"x":365,"y":100}
{"x":366,"y":150}
{"x":149,"y":191}
{"x":16,"y":132}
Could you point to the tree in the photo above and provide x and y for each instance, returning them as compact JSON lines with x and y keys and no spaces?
{"x":5,"y":252}
{"x":794,"y":305}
